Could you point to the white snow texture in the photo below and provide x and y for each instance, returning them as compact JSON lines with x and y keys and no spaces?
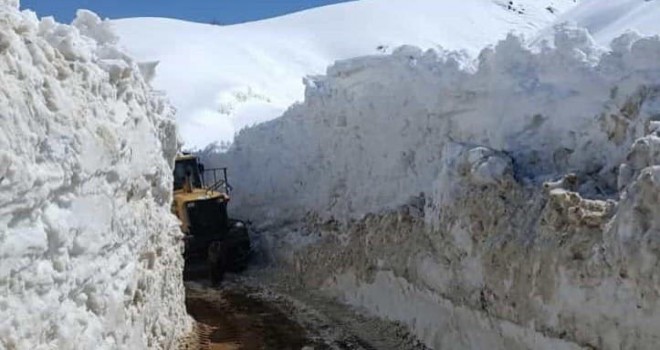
{"x":223,"y":78}
{"x":90,"y":254}
{"x":506,"y":203}
{"x":606,"y":20}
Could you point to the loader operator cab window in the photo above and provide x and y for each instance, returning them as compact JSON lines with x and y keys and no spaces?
{"x":183,"y":168}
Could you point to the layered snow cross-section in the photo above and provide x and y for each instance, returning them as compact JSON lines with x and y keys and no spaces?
{"x":505,"y":203}
{"x":90,"y":254}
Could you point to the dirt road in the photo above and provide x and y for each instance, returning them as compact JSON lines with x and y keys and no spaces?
{"x":243,"y":314}
{"x":236,"y":320}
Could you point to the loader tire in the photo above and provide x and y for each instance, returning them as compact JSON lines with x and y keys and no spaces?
{"x":217,"y":262}
{"x":240,"y":249}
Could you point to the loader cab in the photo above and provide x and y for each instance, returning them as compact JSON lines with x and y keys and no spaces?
{"x":201,"y":209}
{"x":187,"y":167}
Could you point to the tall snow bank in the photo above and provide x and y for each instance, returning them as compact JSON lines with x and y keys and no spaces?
{"x":504,"y":203}
{"x":375,"y":130}
{"x":90,"y":254}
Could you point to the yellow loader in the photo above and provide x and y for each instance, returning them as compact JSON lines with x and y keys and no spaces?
{"x":200,"y":202}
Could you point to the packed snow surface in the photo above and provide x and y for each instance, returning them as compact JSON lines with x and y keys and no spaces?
{"x":90,"y":254}
{"x":222,"y":78}
{"x":505,"y":203}
{"x":606,"y":20}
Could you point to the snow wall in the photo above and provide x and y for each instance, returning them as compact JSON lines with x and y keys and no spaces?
{"x":512,"y":202}
{"x":89,"y":252}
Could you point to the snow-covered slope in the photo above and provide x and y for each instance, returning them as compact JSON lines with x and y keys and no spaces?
{"x":89,"y":252}
{"x":513,"y":206}
{"x":224,"y":78}
{"x":606,"y":20}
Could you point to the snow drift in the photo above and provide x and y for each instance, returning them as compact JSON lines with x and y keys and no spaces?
{"x":222,"y":78}
{"x":90,"y":252}
{"x":504,"y":203}
{"x":607,"y":20}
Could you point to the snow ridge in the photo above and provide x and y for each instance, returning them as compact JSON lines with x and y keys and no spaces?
{"x":90,"y":252}
{"x":239,"y":75}
{"x":607,"y":20}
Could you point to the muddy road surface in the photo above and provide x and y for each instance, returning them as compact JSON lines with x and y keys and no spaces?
{"x":234,"y":320}
{"x":247,"y":315}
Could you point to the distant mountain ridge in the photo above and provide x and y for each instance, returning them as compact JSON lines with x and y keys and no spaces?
{"x":223,"y":78}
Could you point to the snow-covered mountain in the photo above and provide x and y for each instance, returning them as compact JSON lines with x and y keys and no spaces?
{"x":606,"y":20}
{"x":222,"y":78}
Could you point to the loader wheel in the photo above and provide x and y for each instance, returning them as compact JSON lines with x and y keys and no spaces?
{"x":217,"y":262}
{"x":240,"y":249}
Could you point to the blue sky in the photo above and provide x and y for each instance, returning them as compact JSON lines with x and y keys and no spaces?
{"x":222,"y":11}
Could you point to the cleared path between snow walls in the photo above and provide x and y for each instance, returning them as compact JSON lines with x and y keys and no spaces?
{"x":89,"y":251}
{"x":507,"y":203}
